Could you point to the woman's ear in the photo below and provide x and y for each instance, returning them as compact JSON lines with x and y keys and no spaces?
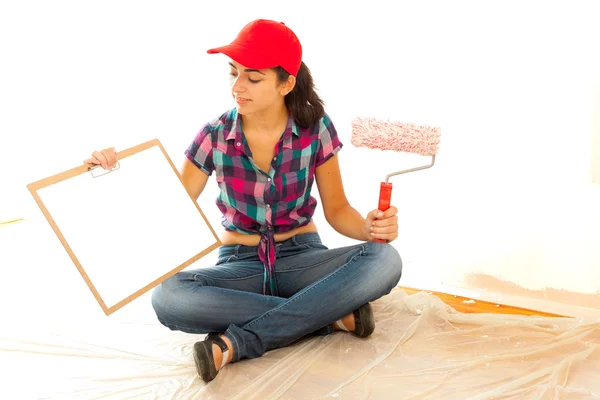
{"x":288,"y":85}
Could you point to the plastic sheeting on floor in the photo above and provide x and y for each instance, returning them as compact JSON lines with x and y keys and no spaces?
{"x":55,"y":343}
{"x":421,"y":349}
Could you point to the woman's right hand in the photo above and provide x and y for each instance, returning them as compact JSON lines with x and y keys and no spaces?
{"x":106,"y":158}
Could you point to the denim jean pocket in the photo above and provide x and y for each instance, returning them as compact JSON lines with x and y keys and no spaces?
{"x":237,"y":252}
{"x":225,"y":259}
{"x":226,"y":253}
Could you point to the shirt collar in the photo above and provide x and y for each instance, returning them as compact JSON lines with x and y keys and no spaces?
{"x":290,"y":130}
{"x":235,"y":129}
{"x":236,"y":134}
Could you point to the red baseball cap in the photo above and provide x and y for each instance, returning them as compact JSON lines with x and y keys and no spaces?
{"x":265,"y":44}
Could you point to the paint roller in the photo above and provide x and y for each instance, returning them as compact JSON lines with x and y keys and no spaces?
{"x":396,"y":136}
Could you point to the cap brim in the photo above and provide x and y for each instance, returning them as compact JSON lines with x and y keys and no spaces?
{"x":242,"y":55}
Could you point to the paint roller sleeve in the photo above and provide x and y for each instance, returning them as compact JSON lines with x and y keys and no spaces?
{"x":396,"y":136}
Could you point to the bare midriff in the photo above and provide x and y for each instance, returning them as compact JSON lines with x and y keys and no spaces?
{"x":230,"y":237}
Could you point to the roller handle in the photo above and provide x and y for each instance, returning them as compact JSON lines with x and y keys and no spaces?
{"x":385,"y":196}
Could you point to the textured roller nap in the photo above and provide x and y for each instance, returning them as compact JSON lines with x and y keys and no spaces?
{"x":396,"y":136}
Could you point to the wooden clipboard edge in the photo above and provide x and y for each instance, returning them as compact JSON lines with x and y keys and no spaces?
{"x":84,"y":168}
{"x":191,"y":198}
{"x":163,"y":278}
{"x":42,"y":183}
{"x":70,"y":252}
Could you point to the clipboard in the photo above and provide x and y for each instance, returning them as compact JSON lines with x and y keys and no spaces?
{"x":126,"y":229}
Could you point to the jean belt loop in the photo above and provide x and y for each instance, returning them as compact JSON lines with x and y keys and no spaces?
{"x":294,"y":241}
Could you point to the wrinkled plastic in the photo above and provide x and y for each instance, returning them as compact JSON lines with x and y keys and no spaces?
{"x":421,"y":349}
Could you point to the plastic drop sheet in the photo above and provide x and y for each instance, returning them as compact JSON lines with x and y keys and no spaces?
{"x":421,"y":349}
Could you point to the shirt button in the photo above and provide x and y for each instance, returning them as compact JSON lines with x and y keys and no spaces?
{"x":275,"y":158}
{"x":238,"y":144}
{"x":268,"y":206}
{"x":269,"y":179}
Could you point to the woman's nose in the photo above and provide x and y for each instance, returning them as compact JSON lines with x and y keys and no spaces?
{"x":237,"y":85}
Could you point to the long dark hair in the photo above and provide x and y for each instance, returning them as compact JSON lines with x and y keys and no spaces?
{"x":303,"y":101}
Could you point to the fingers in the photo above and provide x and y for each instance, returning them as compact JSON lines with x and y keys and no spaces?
{"x":106,"y":158}
{"x":385,"y":224}
{"x":111,"y":156}
{"x":389,"y":225}
{"x":91,"y":160}
{"x":389,"y":212}
{"x":101,"y":159}
{"x":378,"y":214}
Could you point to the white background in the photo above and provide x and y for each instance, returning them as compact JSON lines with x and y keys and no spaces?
{"x":514,"y":85}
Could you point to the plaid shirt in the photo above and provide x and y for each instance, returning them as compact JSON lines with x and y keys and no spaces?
{"x":264,"y":202}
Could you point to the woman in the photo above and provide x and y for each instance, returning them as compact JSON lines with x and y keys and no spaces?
{"x":274,"y":281}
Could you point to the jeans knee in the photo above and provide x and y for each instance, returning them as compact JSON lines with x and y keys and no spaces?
{"x":159,"y":302}
{"x":387,"y":262}
{"x":157,"y":298}
{"x":166,"y":296}
{"x":180,"y":303}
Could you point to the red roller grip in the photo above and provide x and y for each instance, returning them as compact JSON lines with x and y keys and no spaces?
{"x":385,"y":196}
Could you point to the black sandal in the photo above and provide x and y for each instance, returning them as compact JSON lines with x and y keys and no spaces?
{"x":212,"y":335}
{"x":204,"y":358}
{"x":364,"y":321}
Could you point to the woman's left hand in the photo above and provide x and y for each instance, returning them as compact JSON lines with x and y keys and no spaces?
{"x":382,"y":225}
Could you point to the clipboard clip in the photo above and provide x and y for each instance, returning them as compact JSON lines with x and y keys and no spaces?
{"x":102,"y":170}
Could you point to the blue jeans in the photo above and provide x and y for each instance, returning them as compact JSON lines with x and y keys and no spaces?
{"x":316,"y":286}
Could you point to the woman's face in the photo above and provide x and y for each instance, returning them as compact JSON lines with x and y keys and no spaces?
{"x":255,"y":90}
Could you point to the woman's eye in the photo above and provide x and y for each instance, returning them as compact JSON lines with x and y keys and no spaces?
{"x":234,"y":75}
